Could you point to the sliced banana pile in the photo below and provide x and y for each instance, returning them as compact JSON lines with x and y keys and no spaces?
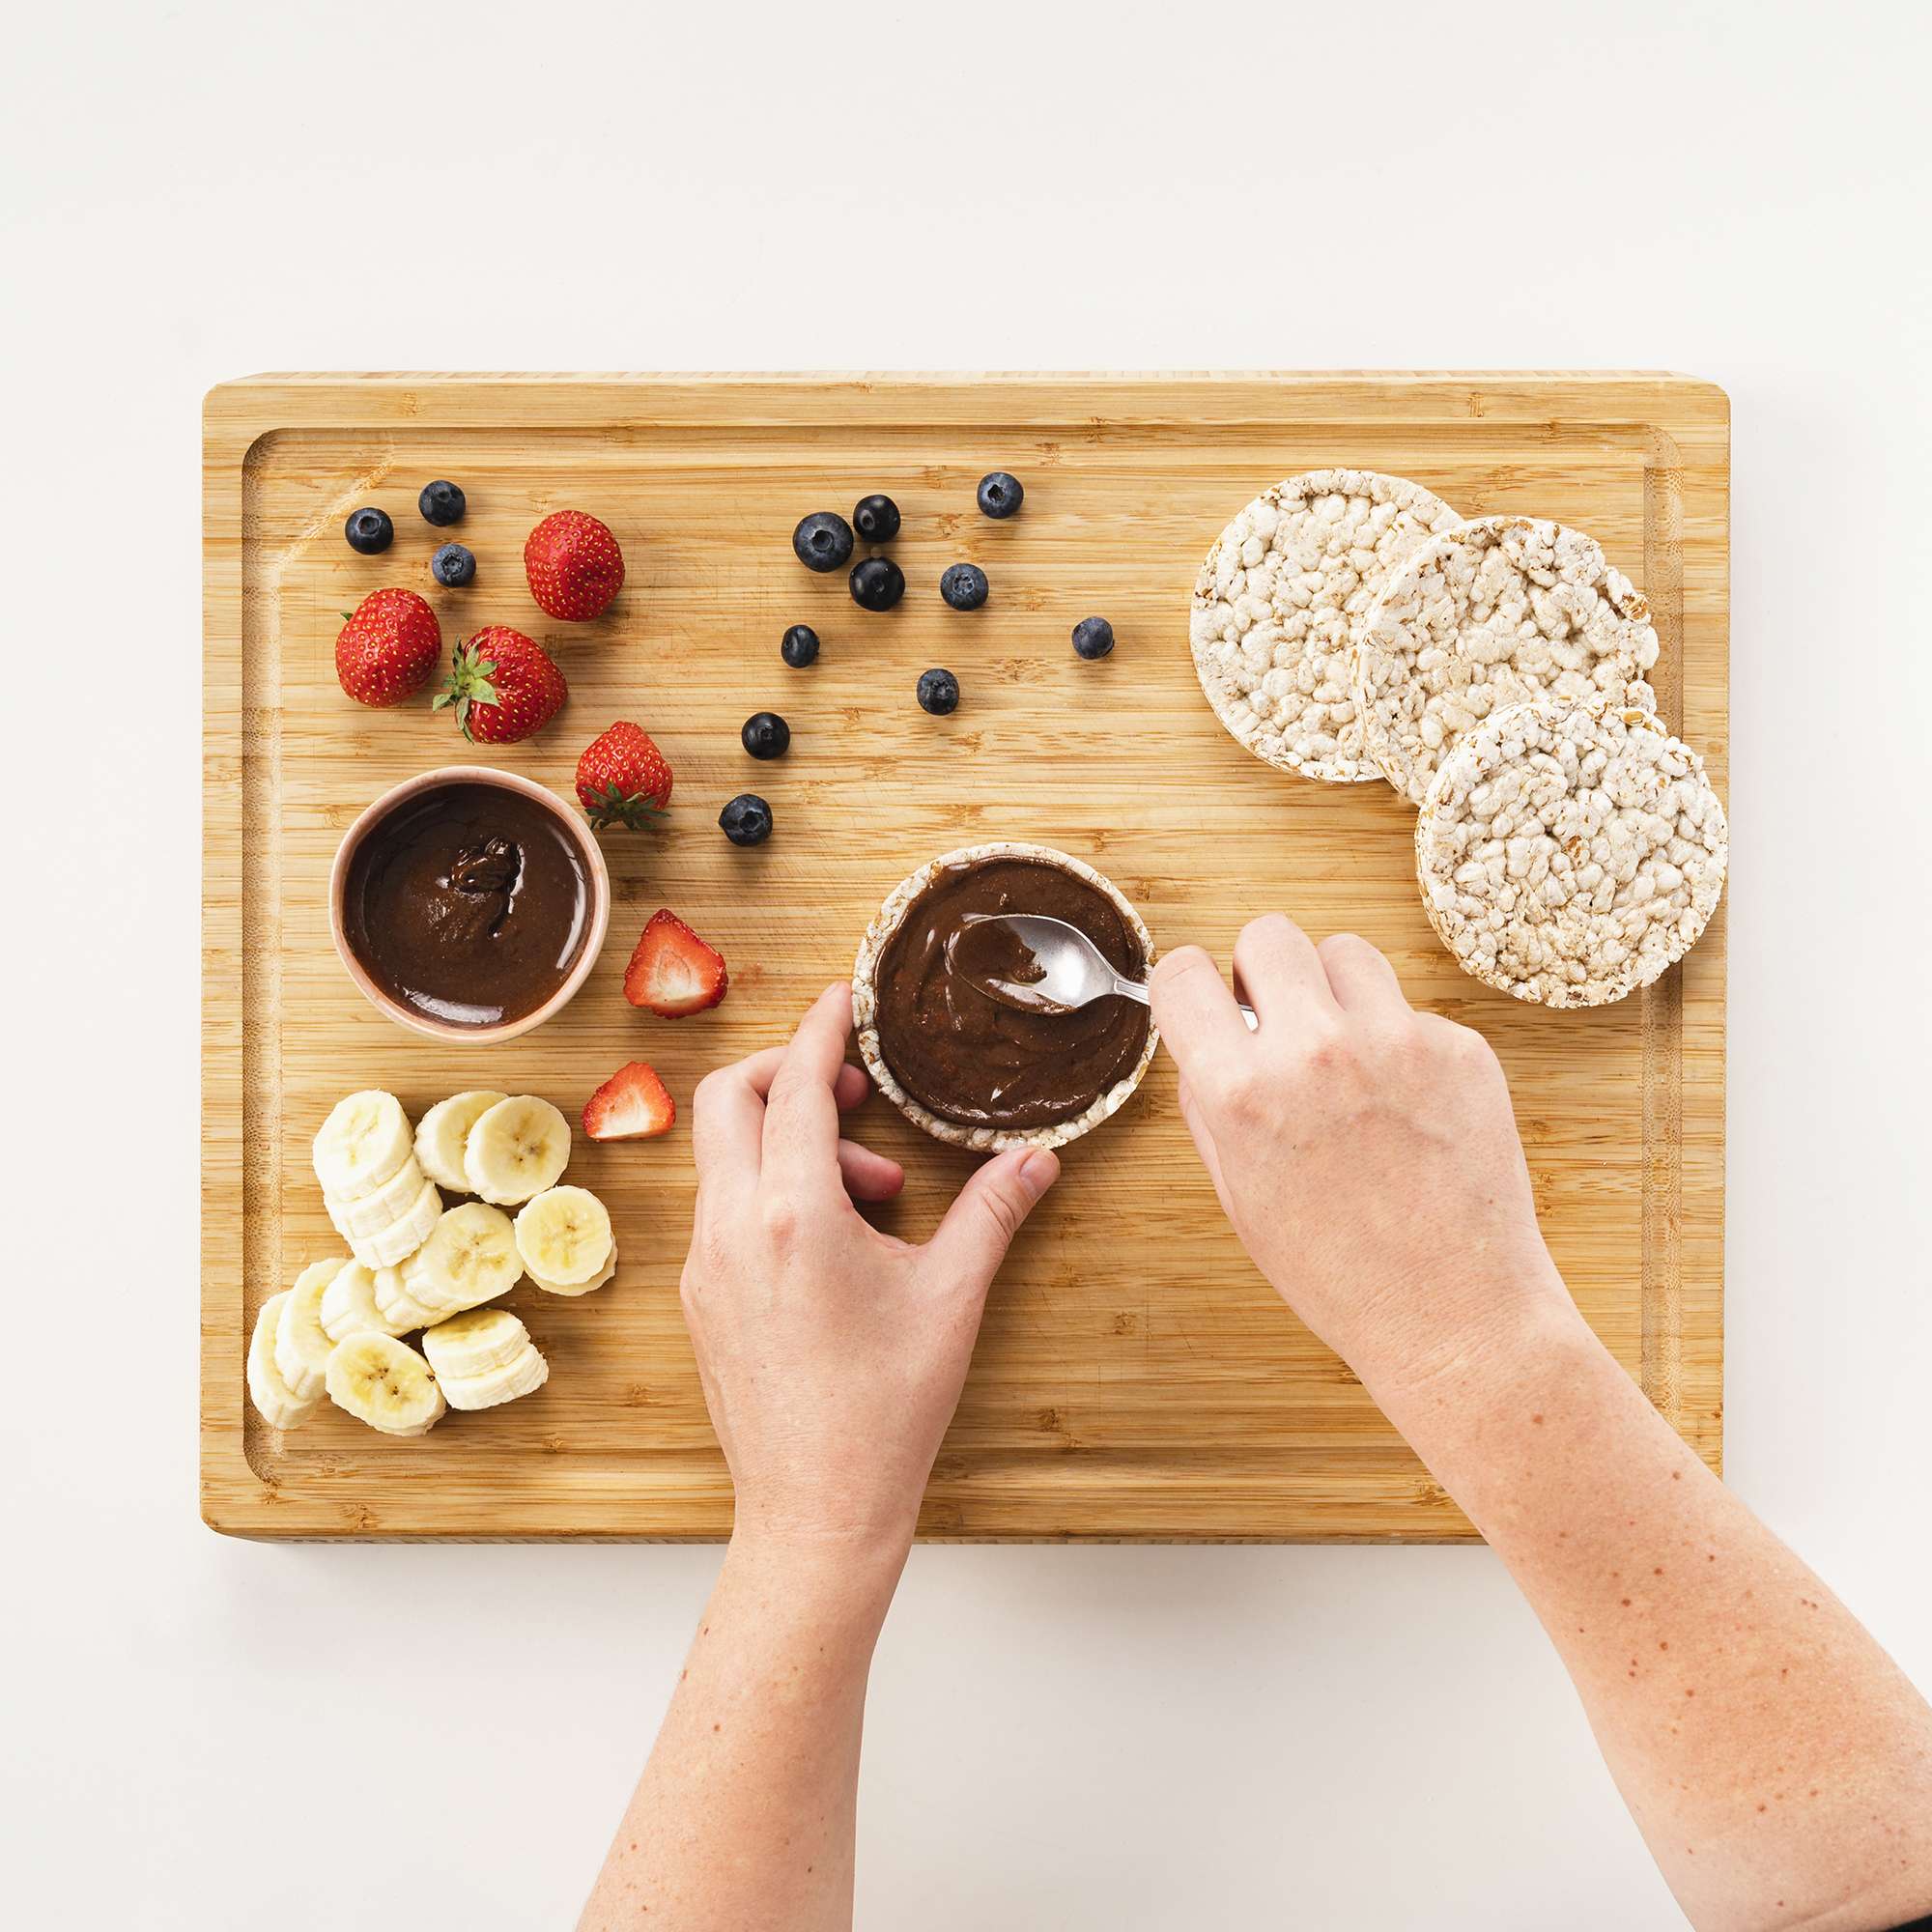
{"x":415,"y":1265}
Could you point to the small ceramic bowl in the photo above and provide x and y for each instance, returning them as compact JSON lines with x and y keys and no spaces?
{"x":597,"y":877}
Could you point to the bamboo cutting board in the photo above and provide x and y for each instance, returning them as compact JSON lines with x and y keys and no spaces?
{"x":1135,"y":1378}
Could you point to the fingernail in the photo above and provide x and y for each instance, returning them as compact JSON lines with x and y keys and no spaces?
{"x":1037,"y":1172}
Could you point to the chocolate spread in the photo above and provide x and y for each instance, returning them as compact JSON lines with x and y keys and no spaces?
{"x":966,"y":1057}
{"x":467,"y":903}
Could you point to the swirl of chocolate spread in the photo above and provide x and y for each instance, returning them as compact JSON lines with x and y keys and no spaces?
{"x":962,"y":1054}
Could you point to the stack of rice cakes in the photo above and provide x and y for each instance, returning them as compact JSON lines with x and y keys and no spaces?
{"x":1349,"y":626}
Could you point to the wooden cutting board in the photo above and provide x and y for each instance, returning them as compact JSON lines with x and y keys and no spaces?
{"x":1136,"y":1377}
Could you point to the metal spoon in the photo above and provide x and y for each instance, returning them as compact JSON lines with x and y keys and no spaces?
{"x":1073,"y":971}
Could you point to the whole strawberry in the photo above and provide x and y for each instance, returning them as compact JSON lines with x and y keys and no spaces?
{"x":622,"y":778}
{"x":388,"y":649}
{"x":503,"y":684}
{"x":574,"y":565}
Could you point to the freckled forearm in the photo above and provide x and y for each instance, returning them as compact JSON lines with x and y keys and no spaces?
{"x":745,"y":1814}
{"x":1777,"y":1762}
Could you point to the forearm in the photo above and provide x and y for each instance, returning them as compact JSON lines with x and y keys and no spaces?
{"x":1777,"y":1762}
{"x":743,"y":1816}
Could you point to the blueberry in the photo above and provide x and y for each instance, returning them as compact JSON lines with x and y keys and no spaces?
{"x":999,"y":495}
{"x":964,"y":587}
{"x":877,"y":584}
{"x":441,"y":504}
{"x":938,"y":692}
{"x":370,"y":531}
{"x":747,"y":820}
{"x":876,"y":518}
{"x":454,"y":565}
{"x":799,"y":646}
{"x":766,"y":735}
{"x":1092,"y":638}
{"x":822,"y":540}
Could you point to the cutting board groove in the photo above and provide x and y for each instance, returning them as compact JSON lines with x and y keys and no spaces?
{"x":1135,"y":1378}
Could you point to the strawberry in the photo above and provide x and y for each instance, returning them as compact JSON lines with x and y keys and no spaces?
{"x":622,"y":778}
{"x":673,"y":972}
{"x":504,"y":686}
{"x":388,"y":649}
{"x":574,"y":565}
{"x":632,"y":1106}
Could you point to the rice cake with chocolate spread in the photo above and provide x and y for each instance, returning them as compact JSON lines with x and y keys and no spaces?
{"x":965,"y":1067}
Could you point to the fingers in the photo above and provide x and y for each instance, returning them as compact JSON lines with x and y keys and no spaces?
{"x":1193,"y":1008}
{"x":1362,"y":982}
{"x":728,"y":1112}
{"x":850,"y":1086}
{"x":1276,"y":966}
{"x":801,"y":1136}
{"x":727,"y":1122}
{"x":1204,"y":1139}
{"x":868,"y":1175}
{"x":969,"y":1244}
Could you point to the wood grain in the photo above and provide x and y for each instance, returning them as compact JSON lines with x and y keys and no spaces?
{"x":1135,"y":1379}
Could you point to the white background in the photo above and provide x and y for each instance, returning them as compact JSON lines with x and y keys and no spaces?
{"x":197,"y":1730}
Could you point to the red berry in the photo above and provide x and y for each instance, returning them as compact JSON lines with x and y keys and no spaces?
{"x":574,"y":565}
{"x":503,"y":684}
{"x":632,"y":1106}
{"x":622,"y":778}
{"x":673,"y":972}
{"x":388,"y":650}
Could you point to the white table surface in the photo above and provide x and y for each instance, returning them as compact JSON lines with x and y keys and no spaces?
{"x":1116,"y":1737}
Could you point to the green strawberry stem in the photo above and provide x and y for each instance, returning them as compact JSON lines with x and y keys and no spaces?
{"x":612,"y":807}
{"x":468,"y":684}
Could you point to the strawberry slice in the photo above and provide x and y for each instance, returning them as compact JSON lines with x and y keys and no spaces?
{"x":673,"y":972}
{"x":632,"y":1106}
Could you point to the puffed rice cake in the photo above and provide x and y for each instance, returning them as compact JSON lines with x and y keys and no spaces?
{"x":1277,"y":599}
{"x":1495,"y":612}
{"x":1570,"y":853}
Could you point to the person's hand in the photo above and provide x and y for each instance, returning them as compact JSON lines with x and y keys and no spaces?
{"x":1365,"y":1153}
{"x":832,"y":1354}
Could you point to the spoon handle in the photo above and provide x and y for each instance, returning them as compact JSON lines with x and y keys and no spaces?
{"x":1132,"y":990}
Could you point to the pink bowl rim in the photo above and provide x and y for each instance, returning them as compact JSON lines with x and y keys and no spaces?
{"x":387,"y":802}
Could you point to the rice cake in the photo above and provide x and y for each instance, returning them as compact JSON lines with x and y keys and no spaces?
{"x":986,"y":1139}
{"x":1496,"y":613}
{"x":1276,"y":600}
{"x":1570,"y":853}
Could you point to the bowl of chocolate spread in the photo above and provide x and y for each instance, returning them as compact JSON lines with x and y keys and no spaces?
{"x":967,"y":1067}
{"x":468,"y":904}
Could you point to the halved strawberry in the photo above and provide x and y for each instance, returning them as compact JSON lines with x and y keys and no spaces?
{"x":632,"y":1106}
{"x":673,"y":972}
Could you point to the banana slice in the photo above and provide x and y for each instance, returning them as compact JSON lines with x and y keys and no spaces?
{"x":524,"y":1377}
{"x":301,"y":1349}
{"x":362,"y":1143}
{"x":514,"y":1150}
{"x":442,"y":1131}
{"x":381,"y":1208}
{"x":400,"y":1239}
{"x":399,"y":1309}
{"x":275,"y":1403}
{"x":470,"y":1258}
{"x":484,"y":1358}
{"x":349,"y":1305}
{"x":564,"y":1234}
{"x":597,"y":1280}
{"x":385,"y":1383}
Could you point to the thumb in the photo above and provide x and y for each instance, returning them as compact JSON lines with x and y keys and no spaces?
{"x":969,"y":1245}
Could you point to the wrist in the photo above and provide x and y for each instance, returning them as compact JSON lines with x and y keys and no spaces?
{"x":1519,"y":1333}
{"x":839,"y":1578}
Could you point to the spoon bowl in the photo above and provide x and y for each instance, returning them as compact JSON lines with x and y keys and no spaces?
{"x":1060,"y":968}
